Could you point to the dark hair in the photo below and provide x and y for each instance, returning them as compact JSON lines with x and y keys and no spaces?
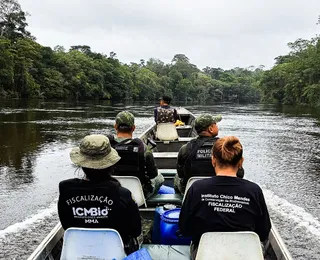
{"x":99,"y":175}
{"x":200,"y":128}
{"x":123,"y":128}
{"x":228,"y":150}
{"x":166,"y":99}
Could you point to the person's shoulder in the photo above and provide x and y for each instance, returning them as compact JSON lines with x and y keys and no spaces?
{"x":204,"y":137}
{"x":125,"y":193}
{"x":137,"y":141}
{"x":200,"y":185}
{"x":183,"y":149}
{"x":69,"y":182}
{"x":112,"y":139}
{"x":249,"y":184}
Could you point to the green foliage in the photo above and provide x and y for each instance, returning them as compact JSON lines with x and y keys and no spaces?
{"x":295,"y":79}
{"x":13,"y":21}
{"x":28,"y":69}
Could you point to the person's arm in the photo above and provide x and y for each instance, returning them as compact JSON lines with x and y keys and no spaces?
{"x":175,"y":115}
{"x":263,"y":223}
{"x":155,"y":112}
{"x":134,"y":218}
{"x":181,"y":160}
{"x":151,"y":168}
{"x":62,"y":211}
{"x":186,"y":219}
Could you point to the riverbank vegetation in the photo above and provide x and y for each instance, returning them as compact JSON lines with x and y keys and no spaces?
{"x":30,"y":70}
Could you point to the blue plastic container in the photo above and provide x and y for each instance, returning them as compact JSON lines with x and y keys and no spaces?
{"x":156,"y":236}
{"x":169,"y":227}
{"x":141,"y":254}
{"x":166,"y":190}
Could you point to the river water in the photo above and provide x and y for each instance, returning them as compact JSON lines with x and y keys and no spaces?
{"x":281,"y":151}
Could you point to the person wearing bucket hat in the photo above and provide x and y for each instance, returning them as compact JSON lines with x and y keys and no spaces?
{"x":194,"y":158}
{"x":165,"y":113}
{"x":98,"y":200}
{"x":136,"y":159}
{"x":231,"y":204}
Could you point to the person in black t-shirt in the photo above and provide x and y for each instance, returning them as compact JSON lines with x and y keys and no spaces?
{"x":98,"y":200}
{"x":224,"y":202}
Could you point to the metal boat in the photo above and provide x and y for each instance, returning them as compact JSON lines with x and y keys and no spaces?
{"x":165,"y":154}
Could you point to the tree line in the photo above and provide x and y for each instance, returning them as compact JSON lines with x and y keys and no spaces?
{"x":295,"y":78}
{"x":30,"y":70}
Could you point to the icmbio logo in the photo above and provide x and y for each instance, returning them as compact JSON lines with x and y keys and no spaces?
{"x":90,"y":212}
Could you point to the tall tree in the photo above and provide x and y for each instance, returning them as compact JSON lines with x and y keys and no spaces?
{"x":13,"y":20}
{"x":180,"y":58}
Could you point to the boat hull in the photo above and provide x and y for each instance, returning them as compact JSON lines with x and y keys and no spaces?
{"x":165,"y":155}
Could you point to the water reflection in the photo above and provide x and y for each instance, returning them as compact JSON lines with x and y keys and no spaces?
{"x":26,"y":127}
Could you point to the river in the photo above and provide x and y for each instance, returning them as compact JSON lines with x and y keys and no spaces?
{"x":281,"y":151}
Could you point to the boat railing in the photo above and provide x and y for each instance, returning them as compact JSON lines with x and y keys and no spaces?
{"x":48,"y":244}
{"x":278,"y":245}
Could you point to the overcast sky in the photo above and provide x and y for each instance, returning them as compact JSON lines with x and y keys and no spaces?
{"x":224,"y":33}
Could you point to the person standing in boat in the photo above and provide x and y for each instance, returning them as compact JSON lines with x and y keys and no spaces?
{"x":165,"y":117}
{"x":136,"y":159}
{"x":194,"y":158}
{"x":224,"y":202}
{"x":98,"y":200}
{"x":165,"y":113}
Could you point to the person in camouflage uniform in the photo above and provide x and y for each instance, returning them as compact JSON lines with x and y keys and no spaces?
{"x":164,"y":113}
{"x":136,"y":159}
{"x":194,"y":158}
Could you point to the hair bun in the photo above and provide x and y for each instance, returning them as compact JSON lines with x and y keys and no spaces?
{"x":230,"y":142}
{"x":228,"y":150}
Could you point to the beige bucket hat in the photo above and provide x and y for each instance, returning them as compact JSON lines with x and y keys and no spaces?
{"x":94,"y":152}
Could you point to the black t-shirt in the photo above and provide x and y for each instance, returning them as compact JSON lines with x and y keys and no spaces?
{"x":98,"y":205}
{"x":224,"y":204}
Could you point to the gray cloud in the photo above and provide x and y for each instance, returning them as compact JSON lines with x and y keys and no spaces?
{"x":210,"y":32}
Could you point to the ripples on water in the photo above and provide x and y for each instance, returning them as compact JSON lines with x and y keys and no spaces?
{"x":281,"y":150}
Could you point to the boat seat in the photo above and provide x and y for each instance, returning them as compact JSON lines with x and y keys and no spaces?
{"x":229,"y":245}
{"x":172,"y":146}
{"x":184,"y":131}
{"x":180,"y":139}
{"x":133,"y":184}
{"x":92,"y":243}
{"x":168,"y":172}
{"x":169,"y":155}
{"x":166,"y":160}
{"x":166,"y":252}
{"x":162,"y":199}
{"x":191,"y":181}
{"x":184,"y":127}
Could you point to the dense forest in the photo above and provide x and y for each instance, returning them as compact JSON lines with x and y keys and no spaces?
{"x":29,"y":70}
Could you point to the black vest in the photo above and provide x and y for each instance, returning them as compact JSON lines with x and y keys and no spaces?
{"x":198,"y":162}
{"x":132,"y":162}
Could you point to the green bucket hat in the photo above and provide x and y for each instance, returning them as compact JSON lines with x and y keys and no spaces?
{"x":125,"y":118}
{"x":95,"y":152}
{"x":203,"y":121}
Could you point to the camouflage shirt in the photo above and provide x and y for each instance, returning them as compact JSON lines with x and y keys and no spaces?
{"x":165,"y":114}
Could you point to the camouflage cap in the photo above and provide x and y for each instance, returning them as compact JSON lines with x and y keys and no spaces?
{"x":125,"y":118}
{"x":203,"y":121}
